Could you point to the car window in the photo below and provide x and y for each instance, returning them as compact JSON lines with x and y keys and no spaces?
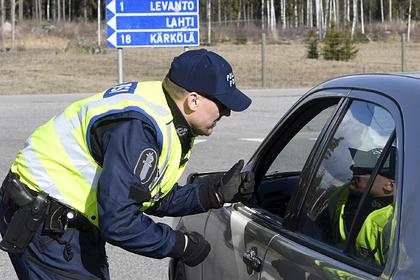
{"x":281,"y":179}
{"x":294,"y":155}
{"x":344,"y":207}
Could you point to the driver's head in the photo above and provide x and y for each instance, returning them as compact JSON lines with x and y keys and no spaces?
{"x":364,"y":163}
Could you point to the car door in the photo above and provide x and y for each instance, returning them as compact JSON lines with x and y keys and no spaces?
{"x":315,"y":241}
{"x":240,"y":234}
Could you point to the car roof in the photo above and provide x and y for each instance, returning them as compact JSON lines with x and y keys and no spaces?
{"x":398,"y":86}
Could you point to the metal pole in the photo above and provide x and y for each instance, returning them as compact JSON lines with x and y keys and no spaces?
{"x":120,"y":66}
{"x":263,"y":60}
{"x":262,"y":45}
{"x":402,"y":52}
{"x":99,"y":23}
{"x":12,"y":15}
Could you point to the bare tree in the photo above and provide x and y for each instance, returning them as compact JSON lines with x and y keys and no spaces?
{"x":382,"y":10}
{"x":219,"y":11}
{"x":309,"y":14}
{"x":2,"y":19}
{"x":58,"y":9}
{"x":262,"y":16}
{"x":20,"y":9}
{"x":209,"y":22}
{"x":390,"y":10}
{"x":409,"y":20}
{"x":35,"y":7}
{"x":283,"y":13}
{"x":239,"y":14}
{"x":353,"y":27}
{"x":63,"y":6}
{"x":362,"y":20}
{"x":40,"y":10}
{"x":13,"y":20}
{"x":48,"y":10}
{"x":320,"y":23}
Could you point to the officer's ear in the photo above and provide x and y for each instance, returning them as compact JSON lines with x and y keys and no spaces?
{"x":389,"y":187}
{"x":192,"y":102}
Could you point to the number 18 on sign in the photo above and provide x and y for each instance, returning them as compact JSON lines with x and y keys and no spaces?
{"x":152,"y":23}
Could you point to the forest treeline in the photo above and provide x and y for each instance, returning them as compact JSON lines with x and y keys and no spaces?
{"x":268,"y":14}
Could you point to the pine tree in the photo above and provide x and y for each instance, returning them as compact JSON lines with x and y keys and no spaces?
{"x":332,"y":44}
{"x":338,"y":45}
{"x":312,"y":45}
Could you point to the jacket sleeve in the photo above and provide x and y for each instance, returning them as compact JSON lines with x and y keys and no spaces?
{"x":180,"y":201}
{"x":120,"y":221}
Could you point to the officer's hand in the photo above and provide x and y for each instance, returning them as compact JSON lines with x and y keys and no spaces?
{"x":228,"y":187}
{"x":232,"y":187}
{"x":235,"y":186}
{"x":197,"y":249}
{"x":246,"y":189}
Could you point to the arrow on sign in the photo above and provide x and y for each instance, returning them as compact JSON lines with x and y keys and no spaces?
{"x":112,"y":40}
{"x":111,"y":6}
{"x":112,"y":22}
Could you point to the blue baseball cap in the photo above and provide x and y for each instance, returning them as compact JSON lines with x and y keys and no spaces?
{"x":210,"y":75}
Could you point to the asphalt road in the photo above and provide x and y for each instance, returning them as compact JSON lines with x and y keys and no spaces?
{"x":234,"y":138}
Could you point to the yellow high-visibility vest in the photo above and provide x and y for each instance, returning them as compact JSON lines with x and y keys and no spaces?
{"x":57,"y":157}
{"x":369,"y":239}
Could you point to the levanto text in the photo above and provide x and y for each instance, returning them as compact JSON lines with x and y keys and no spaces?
{"x":172,"y":6}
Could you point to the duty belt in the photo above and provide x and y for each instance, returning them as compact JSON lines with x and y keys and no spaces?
{"x":58,"y":217}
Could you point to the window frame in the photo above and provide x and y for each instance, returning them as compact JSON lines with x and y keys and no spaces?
{"x":312,"y":167}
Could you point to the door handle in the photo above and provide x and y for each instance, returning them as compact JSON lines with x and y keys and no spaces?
{"x":252,"y":261}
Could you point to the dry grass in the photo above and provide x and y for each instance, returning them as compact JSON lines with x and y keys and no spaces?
{"x":41,"y":64}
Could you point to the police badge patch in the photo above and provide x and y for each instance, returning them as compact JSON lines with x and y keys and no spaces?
{"x":146,"y":166}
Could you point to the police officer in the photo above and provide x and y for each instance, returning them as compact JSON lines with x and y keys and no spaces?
{"x":87,"y":176}
{"x":372,"y":222}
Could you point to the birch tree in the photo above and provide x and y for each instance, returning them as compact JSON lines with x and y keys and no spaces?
{"x":208,"y":2}
{"x":390,"y":10}
{"x":353,"y":27}
{"x":13,"y":20}
{"x":362,"y":21}
{"x":20,"y":9}
{"x":273,"y":16}
{"x":309,"y":14}
{"x":283,"y":13}
{"x":382,"y":10}
{"x":409,"y":20}
{"x":2,"y":19}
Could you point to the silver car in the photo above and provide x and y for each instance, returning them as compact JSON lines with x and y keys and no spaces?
{"x":336,"y":194}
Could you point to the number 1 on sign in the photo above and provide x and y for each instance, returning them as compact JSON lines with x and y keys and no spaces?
{"x":126,"y":39}
{"x":122,"y":6}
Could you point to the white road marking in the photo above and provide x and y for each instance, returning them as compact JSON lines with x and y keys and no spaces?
{"x":252,"y":139}
{"x":196,"y":141}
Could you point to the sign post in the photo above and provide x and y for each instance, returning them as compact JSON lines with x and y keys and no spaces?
{"x":152,"y":23}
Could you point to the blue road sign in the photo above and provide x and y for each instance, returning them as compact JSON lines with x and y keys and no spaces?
{"x":147,"y":23}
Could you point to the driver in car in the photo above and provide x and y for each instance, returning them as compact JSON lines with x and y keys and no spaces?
{"x":372,"y":222}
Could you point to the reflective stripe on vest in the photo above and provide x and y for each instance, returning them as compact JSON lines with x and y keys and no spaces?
{"x":57,"y":157}
{"x":369,"y":237}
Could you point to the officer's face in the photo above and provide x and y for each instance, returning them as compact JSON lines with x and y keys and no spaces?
{"x":382,"y":186}
{"x":207,"y":114}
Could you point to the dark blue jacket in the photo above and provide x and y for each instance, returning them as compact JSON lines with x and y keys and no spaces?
{"x":117,"y":144}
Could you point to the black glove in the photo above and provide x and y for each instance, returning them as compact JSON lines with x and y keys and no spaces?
{"x":228,"y":187}
{"x":197,"y":249}
{"x":246,"y":189}
{"x":232,"y":187}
